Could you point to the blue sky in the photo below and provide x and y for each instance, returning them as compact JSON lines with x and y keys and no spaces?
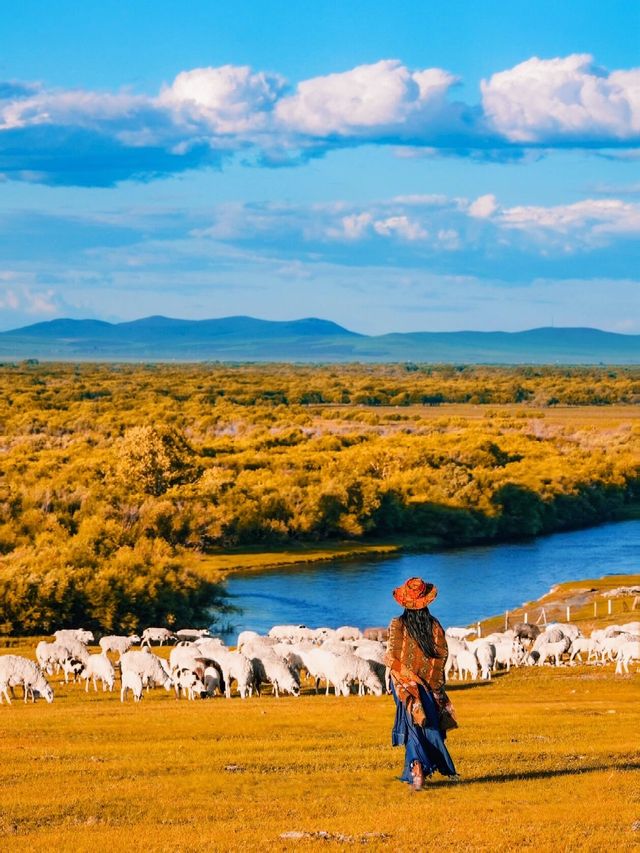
{"x":419,"y":167}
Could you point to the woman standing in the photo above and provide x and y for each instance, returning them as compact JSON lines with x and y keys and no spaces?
{"x":416,"y":657}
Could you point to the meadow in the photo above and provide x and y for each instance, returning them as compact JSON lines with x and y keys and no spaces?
{"x":548,"y":757}
{"x":549,"y":760}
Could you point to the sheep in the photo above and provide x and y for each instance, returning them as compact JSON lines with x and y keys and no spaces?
{"x":16,"y":670}
{"x":98,"y":667}
{"x":150,"y":668}
{"x":71,"y":667}
{"x":156,"y":635}
{"x":467,"y":663}
{"x":485,"y":655}
{"x":527,"y":631}
{"x":627,"y":652}
{"x":291,"y":633}
{"x":84,"y":637}
{"x":378,"y":634}
{"x":193,"y":634}
{"x":454,"y":647}
{"x":51,"y":655}
{"x":189,"y":683}
{"x":187,"y":657}
{"x":459,"y":633}
{"x":268,"y":666}
{"x":249,"y":637}
{"x":568,"y":630}
{"x":555,"y":649}
{"x":212,"y":680}
{"x":349,"y":668}
{"x":346,"y":632}
{"x":583,"y":644}
{"x":118,"y":644}
{"x":131,"y":681}
{"x":233,"y":666}
{"x":610,"y":646}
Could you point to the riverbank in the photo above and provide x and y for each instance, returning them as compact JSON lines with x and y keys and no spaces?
{"x":591,"y":603}
{"x":249,"y":560}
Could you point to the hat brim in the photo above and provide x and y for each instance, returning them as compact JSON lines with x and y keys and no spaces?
{"x":415,"y":603}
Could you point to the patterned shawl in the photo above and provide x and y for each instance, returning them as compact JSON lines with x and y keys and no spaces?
{"x":410,"y":667}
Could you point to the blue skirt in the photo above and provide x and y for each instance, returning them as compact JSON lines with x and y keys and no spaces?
{"x":423,"y":743}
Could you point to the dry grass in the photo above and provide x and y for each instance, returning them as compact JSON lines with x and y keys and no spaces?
{"x":549,"y":761}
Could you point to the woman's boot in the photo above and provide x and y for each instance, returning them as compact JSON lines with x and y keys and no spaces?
{"x":417,"y":773}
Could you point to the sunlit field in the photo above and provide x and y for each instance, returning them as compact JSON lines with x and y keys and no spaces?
{"x":549,"y":759}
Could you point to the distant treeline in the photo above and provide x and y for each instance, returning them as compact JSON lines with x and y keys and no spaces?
{"x":110,"y":474}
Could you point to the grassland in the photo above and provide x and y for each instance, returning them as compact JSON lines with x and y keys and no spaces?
{"x":549,"y":760}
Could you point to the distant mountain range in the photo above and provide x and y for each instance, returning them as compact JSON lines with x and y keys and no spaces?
{"x":308,"y":340}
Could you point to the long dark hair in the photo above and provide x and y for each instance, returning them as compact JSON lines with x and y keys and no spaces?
{"x":420,"y":625}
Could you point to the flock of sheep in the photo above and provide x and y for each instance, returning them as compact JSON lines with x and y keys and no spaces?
{"x":200,"y":665}
{"x":529,"y":645}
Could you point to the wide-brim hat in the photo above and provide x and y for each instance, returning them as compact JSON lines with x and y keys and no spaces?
{"x":415,"y":594}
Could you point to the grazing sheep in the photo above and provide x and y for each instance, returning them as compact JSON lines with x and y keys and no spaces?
{"x":583,"y":644}
{"x":459,"y":633}
{"x":527,"y":631}
{"x":550,"y":650}
{"x":454,"y":647}
{"x":79,"y":634}
{"x":131,"y":681}
{"x":346,"y":632}
{"x":189,"y":683}
{"x":467,"y":664}
{"x":151,"y":669}
{"x":627,"y":652}
{"x":192,"y":634}
{"x":187,"y":657}
{"x":269,"y":667}
{"x":234,"y":666}
{"x":16,"y":670}
{"x":98,"y":667}
{"x":157,"y":635}
{"x":212,"y":680}
{"x":117,"y":644}
{"x":291,"y":633}
{"x":485,"y":655}
{"x":379,"y":634}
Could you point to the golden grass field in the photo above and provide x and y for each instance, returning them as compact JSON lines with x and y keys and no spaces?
{"x":549,"y":760}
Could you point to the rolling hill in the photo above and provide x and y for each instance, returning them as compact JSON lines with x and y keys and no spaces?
{"x":307,"y":340}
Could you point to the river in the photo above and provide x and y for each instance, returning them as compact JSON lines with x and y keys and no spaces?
{"x":473,"y":583}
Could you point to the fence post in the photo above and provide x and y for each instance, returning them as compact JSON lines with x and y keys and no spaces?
{"x":568,"y":613}
{"x":609,"y":603}
{"x":506,"y":620}
{"x":595,"y":608}
{"x":479,"y":631}
{"x":636,"y":602}
{"x":526,"y":617}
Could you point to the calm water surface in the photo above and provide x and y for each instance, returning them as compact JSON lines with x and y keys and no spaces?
{"x":473,"y":583}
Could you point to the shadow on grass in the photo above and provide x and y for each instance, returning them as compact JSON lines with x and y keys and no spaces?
{"x":547,"y":774}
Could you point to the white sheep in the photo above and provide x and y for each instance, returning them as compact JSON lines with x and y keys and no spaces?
{"x":212,"y":680}
{"x":118,"y":644}
{"x":98,"y":667}
{"x":485,"y":655}
{"x":151,"y":669}
{"x":16,"y":670}
{"x":192,"y":634}
{"x":188,"y":657}
{"x":347,"y":632}
{"x":234,"y":666}
{"x":189,"y":683}
{"x":84,"y":637}
{"x":583,"y":644}
{"x":131,"y":681}
{"x":459,"y":633}
{"x":556,"y":650}
{"x":268,"y":666}
{"x":627,"y":652}
{"x":156,"y":635}
{"x":467,"y":663}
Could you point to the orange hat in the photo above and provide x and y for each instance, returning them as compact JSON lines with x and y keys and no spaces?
{"x":415,"y":594}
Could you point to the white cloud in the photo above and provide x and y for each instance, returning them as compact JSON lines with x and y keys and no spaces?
{"x":230,"y":99}
{"x":483,"y":207}
{"x":400,"y":226}
{"x":591,"y":216}
{"x":569,"y":98}
{"x":384,"y":96}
